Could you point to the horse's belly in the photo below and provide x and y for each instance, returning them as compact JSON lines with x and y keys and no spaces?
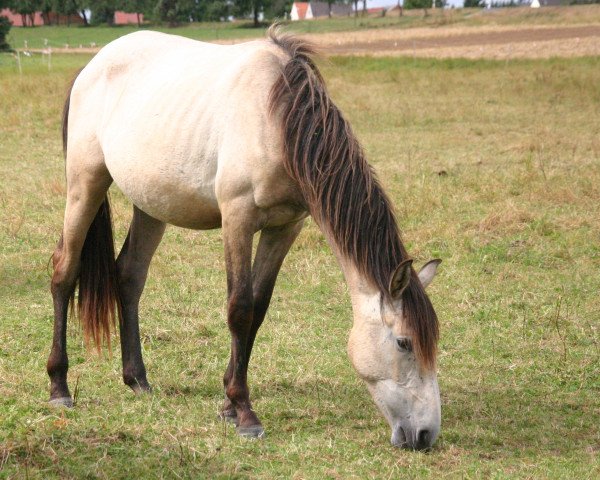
{"x":177,"y":194}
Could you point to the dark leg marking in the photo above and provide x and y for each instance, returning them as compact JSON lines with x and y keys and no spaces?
{"x":273,"y":246}
{"x":145,"y":234}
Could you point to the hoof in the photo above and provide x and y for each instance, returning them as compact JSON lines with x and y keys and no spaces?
{"x":141,"y":390}
{"x":66,"y":402}
{"x":139,"y":386}
{"x":255,"y":431}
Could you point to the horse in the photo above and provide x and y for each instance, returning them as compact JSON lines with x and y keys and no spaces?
{"x":244,"y":138}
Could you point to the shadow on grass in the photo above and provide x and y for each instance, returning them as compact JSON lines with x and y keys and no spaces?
{"x":516,"y":422}
{"x":100,"y":454}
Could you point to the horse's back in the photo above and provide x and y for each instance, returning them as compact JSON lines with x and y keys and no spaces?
{"x":181,"y":125}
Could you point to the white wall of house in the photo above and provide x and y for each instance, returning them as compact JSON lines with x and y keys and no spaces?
{"x":294,"y":13}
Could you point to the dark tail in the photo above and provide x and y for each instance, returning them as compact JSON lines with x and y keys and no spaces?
{"x":98,"y":302}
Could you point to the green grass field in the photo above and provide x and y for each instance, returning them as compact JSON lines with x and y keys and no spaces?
{"x":75,"y":36}
{"x":493,"y":167}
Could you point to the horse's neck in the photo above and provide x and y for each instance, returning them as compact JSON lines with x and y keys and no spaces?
{"x":364,"y":296}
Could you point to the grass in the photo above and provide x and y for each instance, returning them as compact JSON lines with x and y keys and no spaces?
{"x":75,"y":36}
{"x":493,"y":166}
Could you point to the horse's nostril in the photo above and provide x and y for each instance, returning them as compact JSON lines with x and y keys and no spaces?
{"x":423,"y":439}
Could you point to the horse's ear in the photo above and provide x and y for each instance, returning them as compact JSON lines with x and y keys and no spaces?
{"x":428,"y":271}
{"x":400,"y":279}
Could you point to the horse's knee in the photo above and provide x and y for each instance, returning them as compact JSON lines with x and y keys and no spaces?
{"x":239,"y":312}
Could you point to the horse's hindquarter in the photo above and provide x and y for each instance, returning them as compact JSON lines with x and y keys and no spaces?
{"x":184,"y":130}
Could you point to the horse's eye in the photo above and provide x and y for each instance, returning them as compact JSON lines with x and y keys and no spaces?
{"x":404,"y":344}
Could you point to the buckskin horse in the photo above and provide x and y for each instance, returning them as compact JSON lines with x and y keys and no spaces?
{"x":244,"y":138}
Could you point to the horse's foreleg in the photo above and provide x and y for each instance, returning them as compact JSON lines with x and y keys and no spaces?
{"x":145,"y":234}
{"x":273,"y":246}
{"x":237,"y":239}
{"x":83,"y":202}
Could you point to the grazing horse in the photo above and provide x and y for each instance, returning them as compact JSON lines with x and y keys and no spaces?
{"x":245,"y":138}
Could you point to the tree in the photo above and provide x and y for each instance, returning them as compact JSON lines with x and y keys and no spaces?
{"x":27,"y":9}
{"x":424,"y":4}
{"x":4,"y":27}
{"x":138,"y":7}
{"x":64,"y":8}
{"x":473,"y":3}
{"x":215,"y":11}
{"x":278,"y":8}
{"x":174,"y":12}
{"x":243,"y":7}
{"x":103,"y":11}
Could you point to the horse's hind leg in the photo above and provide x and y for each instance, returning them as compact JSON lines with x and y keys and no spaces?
{"x":84,"y":198}
{"x":273,"y":246}
{"x":145,"y":234}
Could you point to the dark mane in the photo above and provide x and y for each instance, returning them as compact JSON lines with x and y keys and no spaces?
{"x":340,"y":188}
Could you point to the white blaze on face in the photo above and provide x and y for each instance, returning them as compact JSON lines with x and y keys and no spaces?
{"x":381,"y":352}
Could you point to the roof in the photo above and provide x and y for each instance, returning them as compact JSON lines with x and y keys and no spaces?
{"x":301,"y":8}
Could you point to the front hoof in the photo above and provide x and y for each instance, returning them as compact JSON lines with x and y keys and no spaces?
{"x":66,"y":402}
{"x":255,"y":431}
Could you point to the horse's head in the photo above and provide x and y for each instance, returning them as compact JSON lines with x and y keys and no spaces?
{"x":394,"y":358}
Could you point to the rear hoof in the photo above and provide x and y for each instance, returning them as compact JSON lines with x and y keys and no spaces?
{"x":255,"y":431}
{"x":59,"y":402}
{"x":141,"y":389}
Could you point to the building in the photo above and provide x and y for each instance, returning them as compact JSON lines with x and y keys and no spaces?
{"x":310,"y":10}
{"x":123,"y":18}
{"x":38,"y":19}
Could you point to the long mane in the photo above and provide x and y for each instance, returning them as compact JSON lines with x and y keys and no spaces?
{"x":341,"y":189}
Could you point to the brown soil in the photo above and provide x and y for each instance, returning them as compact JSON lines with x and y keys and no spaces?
{"x":470,"y":42}
{"x":494,"y":42}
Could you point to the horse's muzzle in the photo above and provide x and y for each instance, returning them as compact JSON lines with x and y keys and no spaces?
{"x":413,"y":439}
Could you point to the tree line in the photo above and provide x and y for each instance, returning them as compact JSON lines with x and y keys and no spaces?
{"x":170,"y":12}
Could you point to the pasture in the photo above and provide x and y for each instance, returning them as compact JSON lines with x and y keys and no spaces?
{"x":493,"y":166}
